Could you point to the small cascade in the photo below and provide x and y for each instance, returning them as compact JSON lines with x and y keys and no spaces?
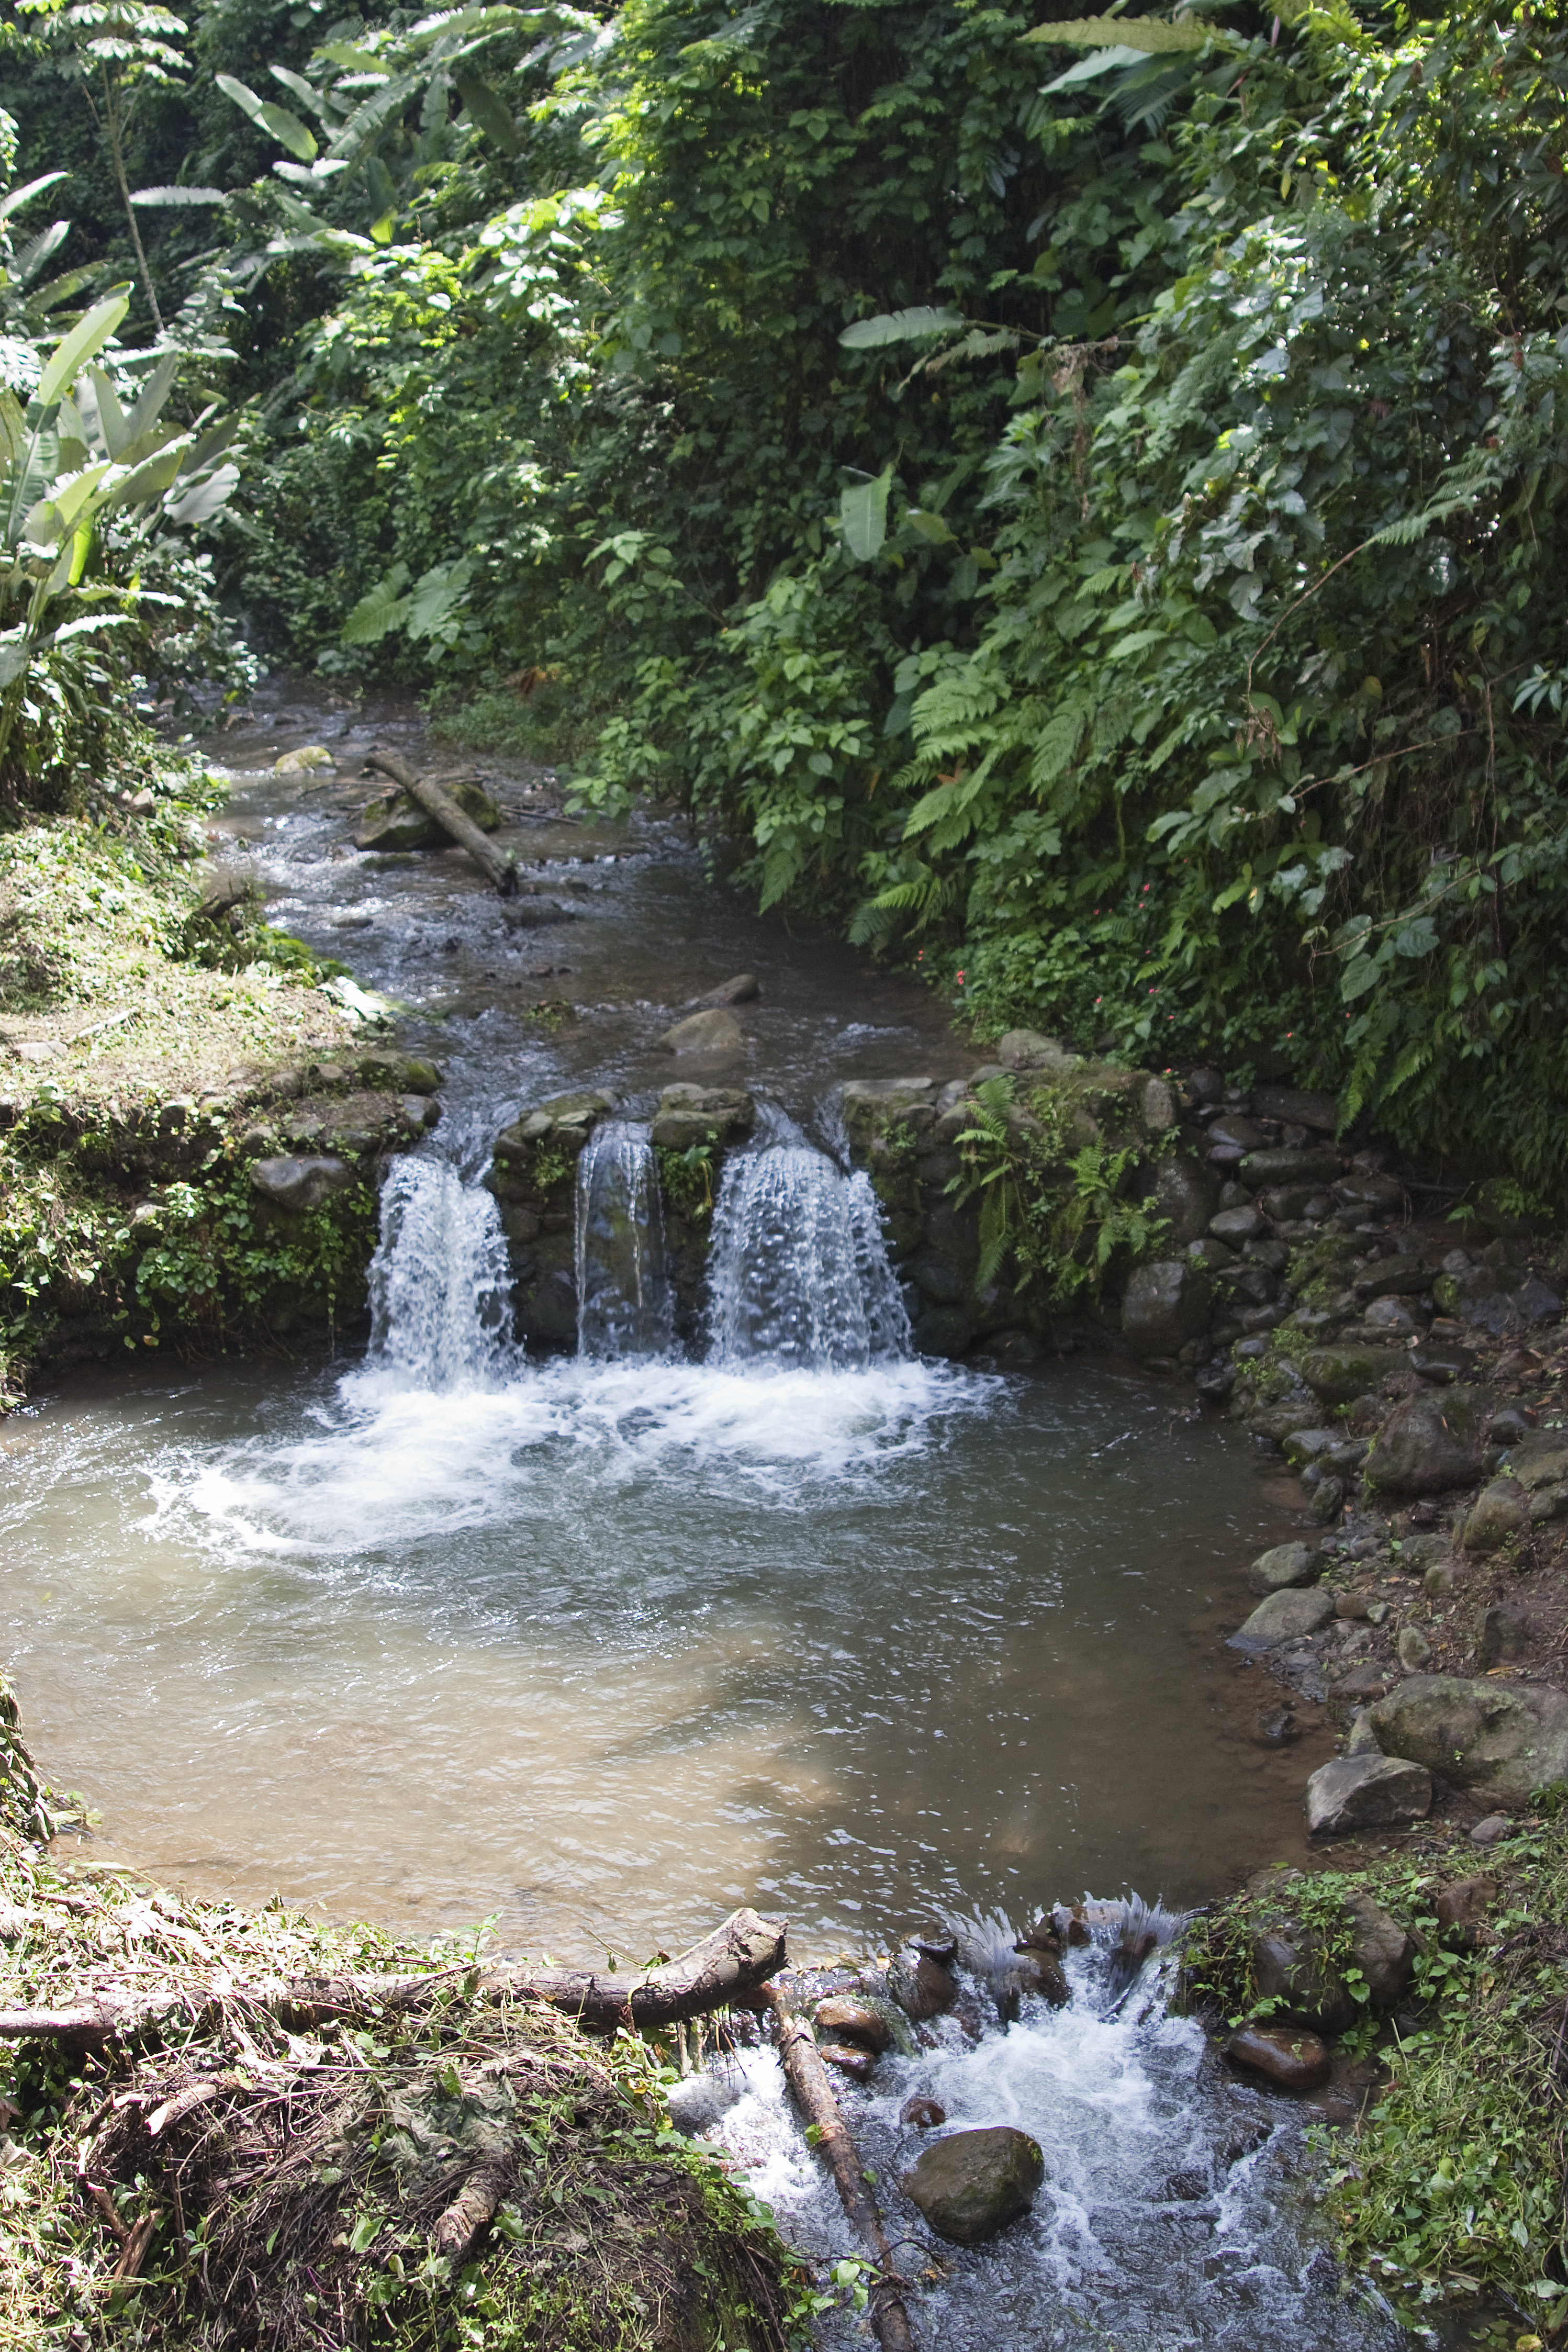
{"x":440,"y":1285}
{"x":798,"y":1272}
{"x":624,"y":1306}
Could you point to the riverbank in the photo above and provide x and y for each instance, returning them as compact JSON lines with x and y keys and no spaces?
{"x":193,"y":1108}
{"x":430,"y":2167}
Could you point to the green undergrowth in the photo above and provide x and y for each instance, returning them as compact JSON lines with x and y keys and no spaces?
{"x":132,"y":1013}
{"x":1058,"y":1204}
{"x":1453,"y":2186}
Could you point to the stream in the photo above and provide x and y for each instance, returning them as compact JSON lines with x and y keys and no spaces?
{"x":597,"y":1647}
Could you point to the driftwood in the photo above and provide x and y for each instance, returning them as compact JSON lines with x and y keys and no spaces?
{"x":453,"y":820}
{"x":731,"y":1964}
{"x":808,"y":2078}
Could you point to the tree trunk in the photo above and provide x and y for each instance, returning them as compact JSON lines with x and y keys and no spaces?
{"x":502,"y":871}
{"x":732,"y":1963}
{"x":808,"y":2078}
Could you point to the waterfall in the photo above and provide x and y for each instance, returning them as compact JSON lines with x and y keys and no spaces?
{"x":440,"y":1285}
{"x":624,"y":1302}
{"x":798,"y":1272}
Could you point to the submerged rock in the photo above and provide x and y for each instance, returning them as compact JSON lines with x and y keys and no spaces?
{"x":972,"y":2184}
{"x":1500,"y":1739}
{"x":923,"y":2115}
{"x":840,"y":2015}
{"x":300,"y":1184}
{"x":716,"y":1032}
{"x":849,"y":2058}
{"x":1289,"y":2058}
{"x":396,"y":821}
{"x":742,"y":990}
{"x":1366,"y":1791}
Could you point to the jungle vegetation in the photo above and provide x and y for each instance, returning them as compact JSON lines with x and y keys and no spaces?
{"x":1079,"y":498}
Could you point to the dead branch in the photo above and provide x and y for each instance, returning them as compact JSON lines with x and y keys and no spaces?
{"x":453,"y":820}
{"x":734,"y":1961}
{"x":808,"y":2078}
{"x":473,"y":2207}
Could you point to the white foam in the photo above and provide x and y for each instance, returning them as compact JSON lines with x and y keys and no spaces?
{"x":391,"y":1461}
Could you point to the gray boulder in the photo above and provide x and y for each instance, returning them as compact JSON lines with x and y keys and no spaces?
{"x":300,"y":1184}
{"x":1185,"y":1192}
{"x":1366,"y":1791}
{"x":974,"y":2183}
{"x":694,"y":1115}
{"x":1337,"y":1374}
{"x":1165,"y":1304}
{"x":742,"y":990}
{"x":1285,"y":1616}
{"x":1026,"y":1049}
{"x":1298,"y":1108}
{"x":1287,"y":1565}
{"x":396,"y":821}
{"x":1431,"y":1442}
{"x":1309,"y":1967}
{"x":1500,"y":1739}
{"x":715,"y":1032}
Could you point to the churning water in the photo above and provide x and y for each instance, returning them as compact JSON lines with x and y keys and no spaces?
{"x":1173,"y":2216}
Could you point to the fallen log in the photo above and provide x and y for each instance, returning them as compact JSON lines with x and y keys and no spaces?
{"x":453,"y":820}
{"x":732,"y":1963}
{"x":808,"y":2078}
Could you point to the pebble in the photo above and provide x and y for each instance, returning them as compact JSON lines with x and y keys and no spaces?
{"x":923,"y":2115}
{"x":839,"y":2015}
{"x":1488,"y":1833}
{"x":848,"y":2058}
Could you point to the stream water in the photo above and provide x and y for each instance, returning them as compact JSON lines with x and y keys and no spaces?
{"x":604,"y":1645}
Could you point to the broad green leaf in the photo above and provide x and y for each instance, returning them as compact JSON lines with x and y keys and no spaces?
{"x":899,"y":327}
{"x":85,"y":339}
{"x":154,"y":393}
{"x":17,"y":197}
{"x":382,"y":608}
{"x":307,"y":96}
{"x":864,"y":514}
{"x":1089,"y":68}
{"x":289,"y":130}
{"x":204,"y":499}
{"x":1144,"y":35}
{"x":14,"y":650}
{"x":110,"y":416}
{"x":244,"y":97}
{"x":931,"y":526}
{"x":436,"y":596}
{"x":175,"y":197}
{"x":487,"y":111}
{"x":33,"y":256}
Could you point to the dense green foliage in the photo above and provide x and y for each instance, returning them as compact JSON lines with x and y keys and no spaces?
{"x":1089,"y":520}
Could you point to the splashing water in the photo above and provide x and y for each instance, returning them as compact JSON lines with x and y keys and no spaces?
{"x":1168,"y":2218}
{"x":798,"y":1273}
{"x":440,"y":1285}
{"x":624,"y":1306}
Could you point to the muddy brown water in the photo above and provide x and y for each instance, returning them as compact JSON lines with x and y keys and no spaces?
{"x":602,"y":1650}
